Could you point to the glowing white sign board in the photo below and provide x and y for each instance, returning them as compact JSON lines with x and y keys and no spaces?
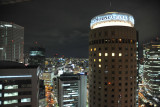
{"x":8,"y":25}
{"x":112,"y":19}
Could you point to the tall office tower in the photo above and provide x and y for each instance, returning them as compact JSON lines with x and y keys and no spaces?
{"x":72,"y":90}
{"x":11,"y":42}
{"x":36,"y":56}
{"x":112,"y":61}
{"x":19,"y":85}
{"x":151,"y":73}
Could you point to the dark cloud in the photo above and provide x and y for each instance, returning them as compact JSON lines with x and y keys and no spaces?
{"x":63,"y":26}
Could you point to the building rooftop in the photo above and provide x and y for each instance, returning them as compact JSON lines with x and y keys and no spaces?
{"x":13,"y":65}
{"x":69,"y":77}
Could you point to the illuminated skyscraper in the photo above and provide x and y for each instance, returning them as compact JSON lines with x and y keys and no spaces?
{"x":11,"y":42}
{"x":112,"y":61}
{"x":151,"y":73}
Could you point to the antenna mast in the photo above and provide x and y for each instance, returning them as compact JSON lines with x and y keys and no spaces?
{"x":110,"y":3}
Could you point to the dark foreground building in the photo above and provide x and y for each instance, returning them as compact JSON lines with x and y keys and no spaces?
{"x":19,"y":86}
{"x":112,"y":61}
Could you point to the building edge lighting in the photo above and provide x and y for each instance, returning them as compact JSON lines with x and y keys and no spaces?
{"x":20,"y":76}
{"x":112,"y":19}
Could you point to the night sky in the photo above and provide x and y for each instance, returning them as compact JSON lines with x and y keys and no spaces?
{"x":62,"y":26}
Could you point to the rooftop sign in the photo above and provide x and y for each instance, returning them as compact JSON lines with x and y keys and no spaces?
{"x":112,"y":19}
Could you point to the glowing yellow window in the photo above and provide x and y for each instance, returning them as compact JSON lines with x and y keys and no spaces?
{"x":113,"y":54}
{"x":120,"y":54}
{"x":91,"y":49}
{"x":100,"y":60}
{"x":94,"y":60}
{"x":99,"y":65}
{"x":100,"y":54}
{"x":106,"y":54}
{"x":94,"y":49}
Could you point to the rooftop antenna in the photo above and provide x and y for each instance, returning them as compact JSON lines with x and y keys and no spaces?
{"x":110,"y":4}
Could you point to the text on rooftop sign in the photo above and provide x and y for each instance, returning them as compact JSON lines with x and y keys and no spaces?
{"x":112,"y":17}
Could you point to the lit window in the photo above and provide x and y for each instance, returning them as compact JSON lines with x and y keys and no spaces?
{"x":94,"y":49}
{"x":99,"y":60}
{"x":94,"y":60}
{"x":113,"y":54}
{"x":10,"y":102}
{"x":99,"y":65}
{"x":91,"y":49}
{"x":120,"y":54}
{"x":106,"y":54}
{"x":10,"y":94}
{"x":100,"y":54}
{"x":11,"y":87}
{"x":109,"y":83}
{"x":0,"y":102}
{"x":0,"y":94}
{"x":26,"y":100}
{"x":0,"y":86}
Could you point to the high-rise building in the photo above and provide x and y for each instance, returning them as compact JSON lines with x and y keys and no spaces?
{"x":112,"y":61}
{"x":151,"y":72}
{"x":37,"y":56}
{"x":11,"y":42}
{"x":19,"y":85}
{"x":72,"y":90}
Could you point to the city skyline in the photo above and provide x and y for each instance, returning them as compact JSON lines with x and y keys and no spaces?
{"x":62,"y":27}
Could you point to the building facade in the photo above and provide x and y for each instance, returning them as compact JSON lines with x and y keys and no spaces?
{"x":11,"y":42}
{"x":151,"y":72}
{"x":36,"y":56}
{"x":72,"y":90}
{"x":19,"y":85}
{"x":112,"y":61}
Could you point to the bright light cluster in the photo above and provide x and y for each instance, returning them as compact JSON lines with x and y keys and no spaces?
{"x":112,"y":19}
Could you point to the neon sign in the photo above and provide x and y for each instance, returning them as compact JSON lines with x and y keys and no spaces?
{"x":112,"y":19}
